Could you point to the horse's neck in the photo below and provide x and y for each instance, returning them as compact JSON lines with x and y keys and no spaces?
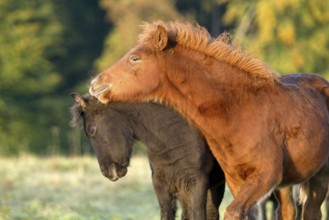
{"x":190,"y":88}
{"x":200,"y":91}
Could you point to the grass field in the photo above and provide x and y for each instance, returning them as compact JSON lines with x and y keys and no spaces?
{"x":60,"y":188}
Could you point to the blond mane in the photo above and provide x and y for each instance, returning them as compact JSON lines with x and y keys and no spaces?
{"x":199,"y":39}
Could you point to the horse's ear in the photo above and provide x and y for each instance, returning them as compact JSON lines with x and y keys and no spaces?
{"x":79,"y":100}
{"x":160,"y":38}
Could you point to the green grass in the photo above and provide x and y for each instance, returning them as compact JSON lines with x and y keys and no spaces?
{"x":60,"y":188}
{"x":73,"y":188}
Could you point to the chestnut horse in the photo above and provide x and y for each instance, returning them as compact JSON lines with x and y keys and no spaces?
{"x":265,"y":133}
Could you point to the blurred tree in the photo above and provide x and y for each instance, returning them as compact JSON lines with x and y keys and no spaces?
{"x":207,"y":13}
{"x":290,"y":35}
{"x":29,"y":32}
{"x":126,"y":17}
{"x":85,"y":29}
{"x":47,"y":49}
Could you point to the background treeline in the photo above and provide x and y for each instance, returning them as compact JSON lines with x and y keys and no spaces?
{"x":50,"y":48}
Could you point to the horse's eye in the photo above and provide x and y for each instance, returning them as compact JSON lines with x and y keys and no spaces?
{"x":92,"y":132}
{"x":134,"y":58}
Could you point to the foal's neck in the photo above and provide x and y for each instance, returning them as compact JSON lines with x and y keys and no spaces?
{"x":149,"y":123}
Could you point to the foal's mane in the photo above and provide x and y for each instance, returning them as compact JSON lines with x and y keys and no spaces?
{"x":198,"y":38}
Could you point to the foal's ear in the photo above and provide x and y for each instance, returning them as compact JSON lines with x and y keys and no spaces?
{"x":160,"y":38}
{"x":79,"y":100}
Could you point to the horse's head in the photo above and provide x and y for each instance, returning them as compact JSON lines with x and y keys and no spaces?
{"x":137,"y":74}
{"x":108,"y":132}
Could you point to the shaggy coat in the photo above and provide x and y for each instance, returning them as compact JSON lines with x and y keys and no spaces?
{"x":182,"y":165}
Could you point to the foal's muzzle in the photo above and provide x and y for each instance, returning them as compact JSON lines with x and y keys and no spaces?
{"x":113,"y":171}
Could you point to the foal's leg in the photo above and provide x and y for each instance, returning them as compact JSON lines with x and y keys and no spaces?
{"x":286,"y":209}
{"x":316,"y":194}
{"x":193,"y":199}
{"x":167,"y":201}
{"x":214,"y":198}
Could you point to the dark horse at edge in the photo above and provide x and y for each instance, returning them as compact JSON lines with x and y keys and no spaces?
{"x":182,"y":165}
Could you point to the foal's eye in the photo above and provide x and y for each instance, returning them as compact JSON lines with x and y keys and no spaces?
{"x":92,"y":132}
{"x":134,"y":58}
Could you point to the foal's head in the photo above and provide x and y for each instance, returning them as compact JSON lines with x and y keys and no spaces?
{"x":108,"y":132}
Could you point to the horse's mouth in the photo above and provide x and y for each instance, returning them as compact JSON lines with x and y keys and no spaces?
{"x":114,"y":171}
{"x":98,"y":91}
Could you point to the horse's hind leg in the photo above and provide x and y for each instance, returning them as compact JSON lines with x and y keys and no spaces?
{"x":286,"y":209}
{"x":313,"y":193}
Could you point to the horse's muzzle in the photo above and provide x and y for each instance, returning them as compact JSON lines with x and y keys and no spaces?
{"x":96,"y":90}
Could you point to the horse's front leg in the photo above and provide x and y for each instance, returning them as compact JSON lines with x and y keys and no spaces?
{"x":257,"y":184}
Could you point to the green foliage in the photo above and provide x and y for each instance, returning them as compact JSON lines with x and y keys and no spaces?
{"x":82,"y":41}
{"x":207,"y":13}
{"x":290,"y":35}
{"x":31,"y":29}
{"x":49,"y":49}
{"x":29,"y":32}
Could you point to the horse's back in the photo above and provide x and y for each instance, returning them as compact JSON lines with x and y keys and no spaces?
{"x":304,"y":124}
